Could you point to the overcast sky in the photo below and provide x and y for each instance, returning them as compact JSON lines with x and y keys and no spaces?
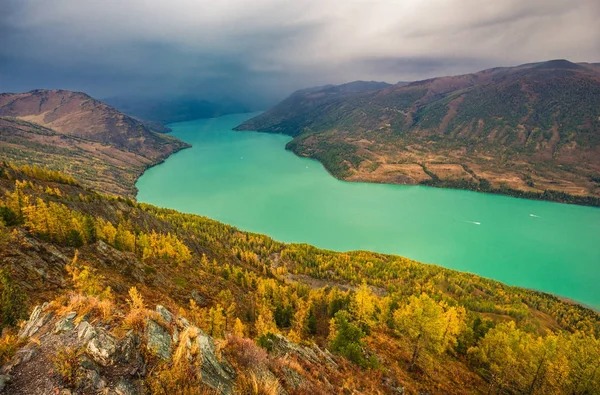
{"x":268,"y":48}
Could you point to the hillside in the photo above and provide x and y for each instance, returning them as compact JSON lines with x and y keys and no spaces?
{"x":531,"y":130}
{"x":83,"y":137}
{"x":246,"y":314}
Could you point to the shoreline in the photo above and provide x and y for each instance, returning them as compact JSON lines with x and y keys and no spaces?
{"x":549,"y":195}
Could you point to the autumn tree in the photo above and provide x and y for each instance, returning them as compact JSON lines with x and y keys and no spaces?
{"x":501,"y":353}
{"x":239,"y":329}
{"x":363,"y":305}
{"x":428,"y":325}
{"x":216,"y":321}
{"x":265,"y":323}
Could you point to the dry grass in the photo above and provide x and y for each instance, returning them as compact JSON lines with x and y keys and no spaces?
{"x":254,"y":384}
{"x":182,"y":375}
{"x":90,"y":306}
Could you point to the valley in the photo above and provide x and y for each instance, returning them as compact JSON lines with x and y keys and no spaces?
{"x":249,"y":180}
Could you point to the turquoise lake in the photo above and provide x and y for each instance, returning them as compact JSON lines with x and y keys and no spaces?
{"x":249,"y":180}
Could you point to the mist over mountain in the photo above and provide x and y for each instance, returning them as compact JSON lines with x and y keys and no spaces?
{"x":177,"y":109}
{"x":258,"y":52}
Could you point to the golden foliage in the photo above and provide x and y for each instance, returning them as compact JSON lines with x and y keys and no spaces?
{"x":9,"y":344}
{"x":67,"y":365}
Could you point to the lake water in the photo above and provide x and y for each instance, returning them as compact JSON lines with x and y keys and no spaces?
{"x":249,"y":180}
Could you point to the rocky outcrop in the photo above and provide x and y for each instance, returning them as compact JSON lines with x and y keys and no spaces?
{"x":108,"y":363}
{"x":217,"y":373}
{"x":281,"y":346}
{"x":103,"y":348}
{"x":37,"y":319}
{"x":158,"y":340}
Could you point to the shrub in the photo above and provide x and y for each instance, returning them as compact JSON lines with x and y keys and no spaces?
{"x":67,"y":366}
{"x":245,"y":352}
{"x":12,"y":301}
{"x":9,"y":344}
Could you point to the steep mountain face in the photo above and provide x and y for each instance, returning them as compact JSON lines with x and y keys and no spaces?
{"x":109,"y":149}
{"x":127,"y":298}
{"x":306,"y":106}
{"x":520,"y":130}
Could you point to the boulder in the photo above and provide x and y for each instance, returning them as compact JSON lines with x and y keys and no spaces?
{"x":130,"y":347}
{"x":85,"y":332}
{"x":126,"y":387}
{"x":158,"y":340}
{"x":103,"y":348}
{"x":65,"y":324}
{"x":95,"y":380}
{"x":182,"y":322}
{"x":37,"y":319}
{"x":88,"y":364}
{"x":23,"y":355}
{"x":216,"y":373}
{"x":166,"y":315}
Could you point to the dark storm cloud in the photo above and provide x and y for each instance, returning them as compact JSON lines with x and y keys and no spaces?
{"x":263,"y":49}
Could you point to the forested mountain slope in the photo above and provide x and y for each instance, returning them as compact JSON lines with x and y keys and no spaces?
{"x":531,"y":130}
{"x":83,"y":137}
{"x":243,"y":313}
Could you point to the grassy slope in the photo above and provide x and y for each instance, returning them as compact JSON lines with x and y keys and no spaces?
{"x":80,"y":136}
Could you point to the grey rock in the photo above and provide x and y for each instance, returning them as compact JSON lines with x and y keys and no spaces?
{"x":218,"y":374}
{"x":103,"y":348}
{"x":96,"y":381}
{"x":71,"y":315}
{"x":85,"y":332}
{"x":25,"y":354}
{"x":4,"y":379}
{"x":36,"y":320}
{"x":164,"y":313}
{"x":63,"y":325}
{"x":182,"y":322}
{"x":21,"y":356}
{"x":159,"y":340}
{"x":198,"y":298}
{"x":88,"y":364}
{"x":126,"y":387}
{"x":130,"y":347}
{"x":281,"y":346}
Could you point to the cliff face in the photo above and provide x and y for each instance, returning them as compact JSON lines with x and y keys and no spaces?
{"x":74,"y":133}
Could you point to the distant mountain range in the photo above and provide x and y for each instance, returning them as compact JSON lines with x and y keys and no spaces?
{"x":178,"y":109}
{"x":531,"y":130}
{"x":81,"y":136}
